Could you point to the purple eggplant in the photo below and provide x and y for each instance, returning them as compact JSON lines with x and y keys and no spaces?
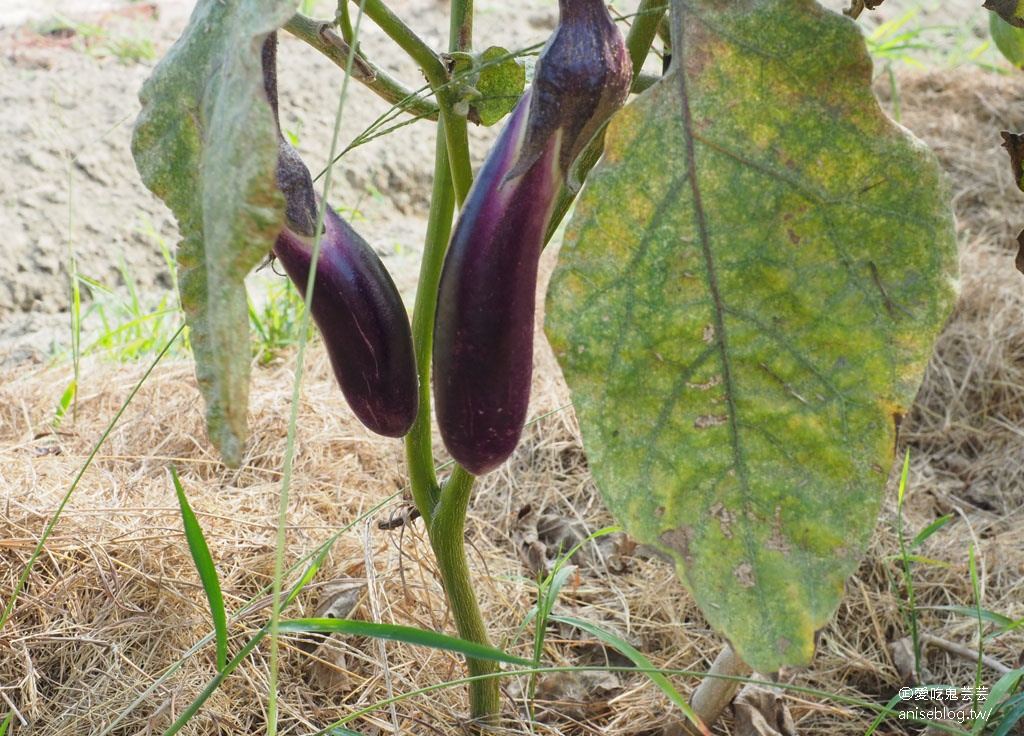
{"x":363,"y":323}
{"x":483,"y":325}
{"x":355,"y":303}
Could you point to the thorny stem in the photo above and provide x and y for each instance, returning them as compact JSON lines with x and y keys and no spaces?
{"x":320,"y":36}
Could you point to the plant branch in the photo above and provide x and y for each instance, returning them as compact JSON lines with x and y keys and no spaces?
{"x":322,"y":37}
{"x":715,"y":692}
{"x":460,"y":36}
{"x":447,"y":537}
{"x":344,"y":22}
{"x":436,"y":72}
{"x":643,"y":32}
{"x":972,"y":655}
{"x":418,"y":444}
{"x":431,"y":64}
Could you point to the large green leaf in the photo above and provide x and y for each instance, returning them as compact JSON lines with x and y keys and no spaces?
{"x":205,"y":142}
{"x":742,"y":337}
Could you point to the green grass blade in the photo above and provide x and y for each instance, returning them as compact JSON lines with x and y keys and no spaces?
{"x":65,"y":403}
{"x":1010,"y":720}
{"x":637,"y":658}
{"x":6,"y":724}
{"x":1006,"y":685}
{"x":310,"y":572}
{"x":406,"y":634}
{"x":1005,"y":623}
{"x":207,"y":572}
{"x":930,"y":530}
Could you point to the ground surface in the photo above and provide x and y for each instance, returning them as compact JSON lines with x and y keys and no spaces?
{"x":114,"y":601}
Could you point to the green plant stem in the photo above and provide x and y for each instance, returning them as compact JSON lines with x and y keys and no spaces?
{"x":434,"y":69}
{"x":460,"y":36}
{"x":447,"y":537}
{"x":320,"y":36}
{"x":341,"y":17}
{"x":643,"y":31}
{"x":418,"y":447}
{"x":444,"y":510}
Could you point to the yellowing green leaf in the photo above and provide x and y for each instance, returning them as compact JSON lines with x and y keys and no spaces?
{"x":205,"y":142}
{"x":742,"y":337}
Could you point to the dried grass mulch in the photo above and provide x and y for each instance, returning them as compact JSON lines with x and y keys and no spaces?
{"x":114,"y":602}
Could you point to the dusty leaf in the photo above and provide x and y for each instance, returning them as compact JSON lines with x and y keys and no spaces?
{"x":205,"y":142}
{"x":740,"y":343}
{"x":501,"y":84}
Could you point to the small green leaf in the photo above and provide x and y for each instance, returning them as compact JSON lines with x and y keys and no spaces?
{"x":203,"y":561}
{"x":489,"y":83}
{"x":501,"y":84}
{"x":205,"y":142}
{"x":66,"y":399}
{"x":741,"y":336}
{"x":407,"y":634}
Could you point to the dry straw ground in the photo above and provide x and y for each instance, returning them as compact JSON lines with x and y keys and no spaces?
{"x":99,"y":641}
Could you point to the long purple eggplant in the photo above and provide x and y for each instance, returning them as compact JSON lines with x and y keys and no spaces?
{"x":363,"y":323}
{"x":355,"y":304}
{"x":483,"y":325}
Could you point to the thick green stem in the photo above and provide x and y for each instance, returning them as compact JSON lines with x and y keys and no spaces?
{"x":643,"y":31}
{"x":447,"y":537}
{"x":418,"y":449}
{"x":444,"y":509}
{"x":460,"y":38}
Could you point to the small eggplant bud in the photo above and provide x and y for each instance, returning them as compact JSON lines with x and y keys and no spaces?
{"x":483,"y":326}
{"x":363,"y":322}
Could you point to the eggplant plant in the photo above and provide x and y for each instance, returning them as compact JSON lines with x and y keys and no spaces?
{"x":746,"y":297}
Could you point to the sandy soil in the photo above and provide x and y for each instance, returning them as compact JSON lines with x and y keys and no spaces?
{"x":70,"y":189}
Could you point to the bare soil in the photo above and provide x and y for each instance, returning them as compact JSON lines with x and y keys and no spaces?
{"x":114,"y":602}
